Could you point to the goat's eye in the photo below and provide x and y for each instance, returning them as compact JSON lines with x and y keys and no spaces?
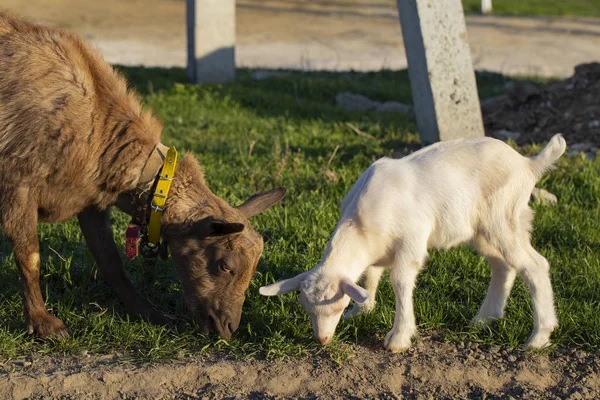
{"x":223,"y":267}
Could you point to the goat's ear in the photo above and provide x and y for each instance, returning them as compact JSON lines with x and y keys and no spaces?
{"x":220,"y":228}
{"x":259,"y":202}
{"x":355,"y":292}
{"x":284,"y":286}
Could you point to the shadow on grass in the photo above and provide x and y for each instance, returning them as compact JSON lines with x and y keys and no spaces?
{"x":299,"y":97}
{"x":303,"y":93}
{"x":71,"y":284}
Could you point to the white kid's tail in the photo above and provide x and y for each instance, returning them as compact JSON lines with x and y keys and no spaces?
{"x":548,"y":156}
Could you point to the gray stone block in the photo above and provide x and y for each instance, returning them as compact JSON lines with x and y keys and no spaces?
{"x":441,"y":73}
{"x":211,"y":40}
{"x":351,"y":101}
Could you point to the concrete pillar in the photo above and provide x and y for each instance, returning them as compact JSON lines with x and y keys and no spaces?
{"x":211,"y":40}
{"x":441,"y":73}
{"x":486,"y":6}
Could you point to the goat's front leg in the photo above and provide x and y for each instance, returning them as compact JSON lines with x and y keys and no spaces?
{"x":19,"y":224}
{"x":403,"y":277}
{"x":370,"y":282}
{"x":95,"y":225}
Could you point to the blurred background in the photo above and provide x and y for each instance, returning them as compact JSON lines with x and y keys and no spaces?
{"x":524,"y":37}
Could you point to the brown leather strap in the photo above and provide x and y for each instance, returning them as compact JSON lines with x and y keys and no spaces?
{"x":153,"y":165}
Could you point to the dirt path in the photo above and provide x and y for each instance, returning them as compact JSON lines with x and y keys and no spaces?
{"x":434,"y":369}
{"x":319,"y":34}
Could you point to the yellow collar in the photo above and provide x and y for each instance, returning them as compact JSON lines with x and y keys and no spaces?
{"x":159,"y":197}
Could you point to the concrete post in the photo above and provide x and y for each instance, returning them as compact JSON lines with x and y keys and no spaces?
{"x":441,"y":73}
{"x":211,"y":40}
{"x":486,"y":6}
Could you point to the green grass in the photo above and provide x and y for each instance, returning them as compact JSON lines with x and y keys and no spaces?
{"x":294,"y":128}
{"x":534,"y":8}
{"x":563,"y":8}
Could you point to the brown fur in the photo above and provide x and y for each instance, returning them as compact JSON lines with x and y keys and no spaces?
{"x":72,"y":139}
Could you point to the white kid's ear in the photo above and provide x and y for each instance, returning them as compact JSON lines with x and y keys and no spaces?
{"x":355,"y":292}
{"x":282,"y":287}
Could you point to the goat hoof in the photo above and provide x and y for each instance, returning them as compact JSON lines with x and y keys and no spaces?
{"x":483,"y":322}
{"x":161,"y":318}
{"x":540,"y":338}
{"x":359,"y":309}
{"x":49,"y":327}
{"x":154,"y":315}
{"x":396,"y":350}
{"x":538,"y":342}
{"x":350,"y":314}
{"x":397,"y":342}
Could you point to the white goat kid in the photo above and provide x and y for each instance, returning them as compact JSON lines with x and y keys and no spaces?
{"x":468,"y":190}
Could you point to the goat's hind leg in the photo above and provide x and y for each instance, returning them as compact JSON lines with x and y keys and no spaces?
{"x":371,"y":280}
{"x":19,"y":224}
{"x":534,"y":269}
{"x":501,"y":283}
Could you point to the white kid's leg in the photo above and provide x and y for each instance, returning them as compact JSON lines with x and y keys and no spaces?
{"x":371,"y":280}
{"x":534,"y":269}
{"x":403,"y":276}
{"x":503,"y":278}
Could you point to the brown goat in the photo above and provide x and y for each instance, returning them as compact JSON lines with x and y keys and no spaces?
{"x":75,"y":141}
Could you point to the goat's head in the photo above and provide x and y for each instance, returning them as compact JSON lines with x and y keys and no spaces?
{"x":214,"y":247}
{"x":322,"y":297}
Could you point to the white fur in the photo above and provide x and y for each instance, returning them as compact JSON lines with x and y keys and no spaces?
{"x":468,"y":190}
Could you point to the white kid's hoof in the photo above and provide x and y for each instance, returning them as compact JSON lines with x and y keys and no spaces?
{"x":479,"y":322}
{"x":397,"y":342}
{"x":540,"y":338}
{"x":538,"y":342}
{"x":359,"y":309}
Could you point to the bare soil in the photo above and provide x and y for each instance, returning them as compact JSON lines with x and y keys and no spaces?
{"x":571,"y":107}
{"x":433,"y":369}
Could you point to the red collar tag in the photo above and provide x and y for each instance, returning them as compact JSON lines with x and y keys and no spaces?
{"x":132,"y":240}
